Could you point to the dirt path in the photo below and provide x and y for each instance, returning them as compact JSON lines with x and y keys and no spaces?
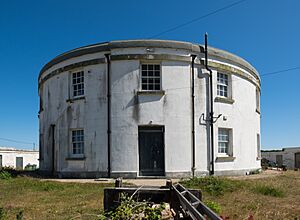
{"x":160,"y":182}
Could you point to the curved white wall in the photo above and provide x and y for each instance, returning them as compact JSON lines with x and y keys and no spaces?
{"x":130,"y":110}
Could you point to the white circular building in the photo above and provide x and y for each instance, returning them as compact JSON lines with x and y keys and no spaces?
{"x":141,"y":108}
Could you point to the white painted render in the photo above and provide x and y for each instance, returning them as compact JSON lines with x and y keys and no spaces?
{"x":288,"y":155}
{"x":9,"y":156}
{"x":129,"y":110}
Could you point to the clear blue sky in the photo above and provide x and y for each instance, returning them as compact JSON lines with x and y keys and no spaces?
{"x":265,"y":33}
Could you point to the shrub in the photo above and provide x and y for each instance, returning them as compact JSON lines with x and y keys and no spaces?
{"x":130,"y":209}
{"x":268,"y":191}
{"x":214,"y":186}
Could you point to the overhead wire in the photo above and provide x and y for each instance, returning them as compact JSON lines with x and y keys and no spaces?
{"x":16,"y":141}
{"x":197,"y":19}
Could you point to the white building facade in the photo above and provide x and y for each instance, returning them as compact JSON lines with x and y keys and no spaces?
{"x":126,"y":108}
{"x":18,"y":159}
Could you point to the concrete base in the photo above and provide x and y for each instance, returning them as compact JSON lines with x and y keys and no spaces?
{"x":235,"y":172}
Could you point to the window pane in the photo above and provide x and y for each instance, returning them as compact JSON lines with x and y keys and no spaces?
{"x":150,"y":73}
{"x":144,"y":67}
{"x":144,"y":73}
{"x":150,"y":87}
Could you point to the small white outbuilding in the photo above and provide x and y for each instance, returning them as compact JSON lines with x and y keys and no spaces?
{"x":288,"y":156}
{"x":18,"y":159}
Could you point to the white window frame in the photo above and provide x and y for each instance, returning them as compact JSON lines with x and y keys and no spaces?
{"x":73,"y":142}
{"x":77,"y":84}
{"x":223,"y":81}
{"x":142,"y":78}
{"x":225,"y":132}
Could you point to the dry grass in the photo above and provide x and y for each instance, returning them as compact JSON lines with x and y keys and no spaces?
{"x":273,"y":197}
{"x":238,"y":198}
{"x":50,"y":200}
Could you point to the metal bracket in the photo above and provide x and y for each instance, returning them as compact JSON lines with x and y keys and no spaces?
{"x":208,"y":120}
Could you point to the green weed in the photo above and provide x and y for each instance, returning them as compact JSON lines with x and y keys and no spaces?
{"x":2,"y":214}
{"x":4,"y":175}
{"x":215,"y":186}
{"x":131,"y":209}
{"x":213,"y":206}
{"x":268,"y":191}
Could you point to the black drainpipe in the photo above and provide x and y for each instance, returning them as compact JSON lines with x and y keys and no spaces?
{"x":53,"y":149}
{"x":108,"y":115}
{"x":211,"y":113}
{"x":193,"y":116}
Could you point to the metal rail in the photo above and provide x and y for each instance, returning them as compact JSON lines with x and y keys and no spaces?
{"x":193,"y":206}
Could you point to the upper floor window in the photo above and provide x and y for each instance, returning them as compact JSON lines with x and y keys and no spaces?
{"x":78,"y":142}
{"x":224,"y":141}
{"x":151,"y":77}
{"x":257,"y":100}
{"x":222,"y":85}
{"x":78,"y":83}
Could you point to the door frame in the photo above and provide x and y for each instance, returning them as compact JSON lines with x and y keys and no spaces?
{"x":148,"y":128}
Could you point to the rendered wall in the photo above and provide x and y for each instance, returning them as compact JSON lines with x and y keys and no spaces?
{"x":129,"y":109}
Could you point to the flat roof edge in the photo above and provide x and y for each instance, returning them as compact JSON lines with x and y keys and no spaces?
{"x":107,"y":46}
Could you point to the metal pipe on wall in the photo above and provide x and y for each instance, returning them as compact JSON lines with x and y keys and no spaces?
{"x":107,"y":56}
{"x":193,"y":116}
{"x":211,"y":113}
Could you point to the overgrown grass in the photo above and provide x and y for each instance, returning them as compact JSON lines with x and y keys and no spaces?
{"x":50,"y":200}
{"x":237,"y":198}
{"x":268,"y":190}
{"x":215,"y":186}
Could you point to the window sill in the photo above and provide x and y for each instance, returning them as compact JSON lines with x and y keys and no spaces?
{"x":224,"y":100}
{"x":76,"y":158}
{"x":71,"y":100}
{"x":154,"y":92}
{"x":257,"y":110}
{"x":225,"y":159}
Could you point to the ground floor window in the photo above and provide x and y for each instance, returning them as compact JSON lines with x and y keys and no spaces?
{"x":224,"y":141}
{"x":78,"y":142}
{"x":258,"y":145}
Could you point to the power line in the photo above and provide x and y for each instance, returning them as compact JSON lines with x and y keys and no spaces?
{"x":16,"y":141}
{"x":281,"y":71}
{"x":197,"y":19}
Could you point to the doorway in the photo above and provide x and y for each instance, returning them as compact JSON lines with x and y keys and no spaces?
{"x":151,"y":151}
{"x":297,"y":160}
{"x":19,"y":163}
{"x":279,"y":160}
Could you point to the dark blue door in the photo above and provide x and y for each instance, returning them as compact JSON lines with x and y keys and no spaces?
{"x":151,"y":151}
